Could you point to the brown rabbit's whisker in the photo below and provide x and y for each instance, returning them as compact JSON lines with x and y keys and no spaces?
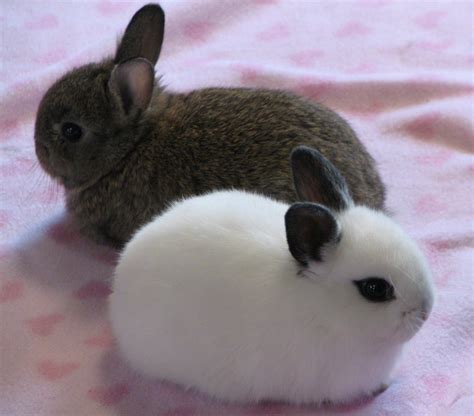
{"x":35,"y":183}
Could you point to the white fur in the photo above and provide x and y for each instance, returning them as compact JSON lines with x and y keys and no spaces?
{"x":208,"y":296}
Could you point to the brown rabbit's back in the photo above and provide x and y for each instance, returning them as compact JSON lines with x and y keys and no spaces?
{"x":212,"y":139}
{"x":242,"y":138}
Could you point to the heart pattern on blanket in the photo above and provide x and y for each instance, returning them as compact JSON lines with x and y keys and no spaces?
{"x":52,"y":370}
{"x":197,"y":31}
{"x":63,"y":233}
{"x":109,"y":395}
{"x":104,"y":340}
{"x":352,"y":29}
{"x":306,"y":58}
{"x":430,"y":20}
{"x":44,"y":325}
{"x":279,"y":31}
{"x":9,"y":125}
{"x":48,"y":21}
{"x":93,"y":289}
{"x":11,"y":290}
{"x":108,"y":7}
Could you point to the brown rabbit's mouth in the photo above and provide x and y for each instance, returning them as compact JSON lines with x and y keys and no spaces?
{"x":43,"y":149}
{"x":43,"y":155}
{"x":47,"y":163}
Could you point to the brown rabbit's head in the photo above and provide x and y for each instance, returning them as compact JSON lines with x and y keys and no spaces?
{"x":88,"y":119}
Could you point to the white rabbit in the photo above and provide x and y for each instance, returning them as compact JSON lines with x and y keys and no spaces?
{"x":246,"y":298}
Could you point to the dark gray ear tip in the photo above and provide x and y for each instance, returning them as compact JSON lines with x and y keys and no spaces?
{"x":151,"y":9}
{"x":144,"y":35}
{"x":305,"y":155}
{"x":152,"y":14}
{"x":316,"y":179}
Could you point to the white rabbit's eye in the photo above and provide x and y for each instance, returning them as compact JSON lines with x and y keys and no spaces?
{"x":71,"y":132}
{"x":375,"y":289}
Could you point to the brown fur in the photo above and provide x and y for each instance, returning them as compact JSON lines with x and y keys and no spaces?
{"x":129,"y":166}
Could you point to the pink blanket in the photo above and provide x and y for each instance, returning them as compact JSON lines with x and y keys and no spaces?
{"x":401,"y":73}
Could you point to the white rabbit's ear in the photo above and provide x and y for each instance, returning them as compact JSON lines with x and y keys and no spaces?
{"x":133,"y":81}
{"x":144,"y":35}
{"x":308,"y":228}
{"x":317,"y":180}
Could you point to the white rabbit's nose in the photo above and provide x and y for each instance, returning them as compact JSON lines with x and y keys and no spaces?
{"x":426,"y":307}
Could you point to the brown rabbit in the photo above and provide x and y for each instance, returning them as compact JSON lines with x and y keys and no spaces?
{"x":124,"y":148}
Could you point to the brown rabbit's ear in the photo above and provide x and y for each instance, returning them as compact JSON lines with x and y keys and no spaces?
{"x":144,"y":35}
{"x":133,"y":82}
{"x":317,"y":180}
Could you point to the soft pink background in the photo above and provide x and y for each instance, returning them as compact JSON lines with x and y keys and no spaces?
{"x":401,"y":73}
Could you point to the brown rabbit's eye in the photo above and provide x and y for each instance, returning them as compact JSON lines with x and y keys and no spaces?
{"x":71,"y":132}
{"x":375,"y":289}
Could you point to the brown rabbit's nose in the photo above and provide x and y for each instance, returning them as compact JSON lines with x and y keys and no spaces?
{"x":43,"y":148}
